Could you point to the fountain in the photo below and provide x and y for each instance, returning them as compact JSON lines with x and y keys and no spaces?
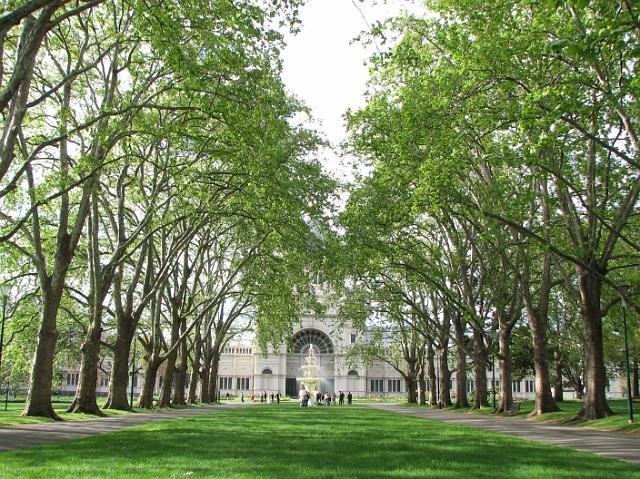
{"x":310,"y":376}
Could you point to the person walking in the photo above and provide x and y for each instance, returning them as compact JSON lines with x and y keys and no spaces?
{"x":241,"y":397}
{"x":278,"y":397}
{"x":349,"y":398}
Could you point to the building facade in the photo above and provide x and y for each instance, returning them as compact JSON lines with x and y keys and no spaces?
{"x":244,"y":370}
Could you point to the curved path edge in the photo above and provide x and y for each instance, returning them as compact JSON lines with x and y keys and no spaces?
{"x":23,"y":436}
{"x":621,"y":446}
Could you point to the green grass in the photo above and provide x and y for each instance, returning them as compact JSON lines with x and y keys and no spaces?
{"x":12,"y":415}
{"x":399,"y":400}
{"x":568,"y":411}
{"x":288,"y":442}
{"x":14,"y":409}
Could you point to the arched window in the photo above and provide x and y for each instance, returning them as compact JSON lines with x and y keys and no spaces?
{"x":320,"y":341}
{"x":353,"y":372}
{"x":267,"y":371}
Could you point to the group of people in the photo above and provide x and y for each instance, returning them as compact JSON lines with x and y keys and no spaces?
{"x":325,"y":399}
{"x":264,"y":397}
{"x":306,"y":400}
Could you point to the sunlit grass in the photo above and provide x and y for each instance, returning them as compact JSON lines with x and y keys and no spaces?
{"x":11,"y":416}
{"x":567,"y":414}
{"x":286,"y":441}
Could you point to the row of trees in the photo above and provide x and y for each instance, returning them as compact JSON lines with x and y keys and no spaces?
{"x":502,"y":148}
{"x":154,"y":188}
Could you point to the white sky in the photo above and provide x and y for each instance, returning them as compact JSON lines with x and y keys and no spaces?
{"x":327,"y":72}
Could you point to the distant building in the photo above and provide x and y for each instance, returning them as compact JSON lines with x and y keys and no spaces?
{"x":244,"y":370}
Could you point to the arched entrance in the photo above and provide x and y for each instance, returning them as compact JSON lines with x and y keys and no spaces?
{"x":323,"y":350}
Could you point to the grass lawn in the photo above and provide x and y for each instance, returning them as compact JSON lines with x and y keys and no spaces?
{"x":568,"y":411}
{"x":288,"y":442}
{"x":14,"y":409}
{"x":12,"y":414}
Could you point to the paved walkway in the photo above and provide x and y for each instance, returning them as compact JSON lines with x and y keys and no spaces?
{"x":622,"y":446}
{"x":28,"y":435}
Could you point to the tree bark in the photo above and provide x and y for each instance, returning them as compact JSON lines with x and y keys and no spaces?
{"x":422,"y":385}
{"x":179,"y":396}
{"x":213,"y":375}
{"x":150,"y":375}
{"x":167,"y":384}
{"x":558,"y":392}
{"x":594,"y":404}
{"x":445,"y":377}
{"x":635,"y":385}
{"x":433,"y":400}
{"x":170,"y":368}
{"x":479,"y":369}
{"x":39,"y":394}
{"x":119,"y":381}
{"x":544,"y":401}
{"x":410,"y":381}
{"x":86,"y":399}
{"x":461,"y":364}
{"x":579,"y":387}
{"x":204,"y":382}
{"x":445,"y":374}
{"x":194,"y":379}
{"x":504,"y":361}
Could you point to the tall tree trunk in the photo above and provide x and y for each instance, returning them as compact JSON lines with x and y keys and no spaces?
{"x":410,"y":381}
{"x":181,"y":370}
{"x":179,"y":391}
{"x":461,"y":364}
{"x":205,"y":380}
{"x":544,"y":400}
{"x":52,"y":285}
{"x":445,"y":377}
{"x":444,"y":332}
{"x":433,"y":400}
{"x":119,"y":381}
{"x":150,"y":375}
{"x":39,"y":394}
{"x":86,"y":400}
{"x":594,"y":405}
{"x":422,"y":385}
{"x":579,"y":387}
{"x":506,"y":393}
{"x":167,"y":384}
{"x":170,"y":368}
{"x":194,"y":379}
{"x":635,"y":384}
{"x":480,"y":369}
{"x":558,"y":392}
{"x":213,"y":375}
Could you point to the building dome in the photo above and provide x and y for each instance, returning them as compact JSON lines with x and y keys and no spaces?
{"x":321,"y":342}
